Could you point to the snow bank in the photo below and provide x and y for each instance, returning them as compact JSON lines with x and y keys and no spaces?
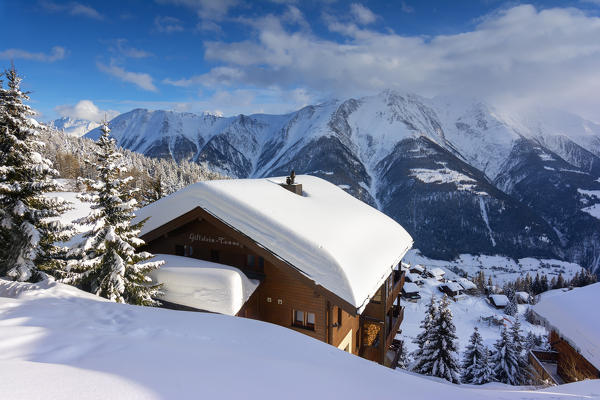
{"x":339,"y":242}
{"x":204,"y":285}
{"x":59,"y":346}
{"x":574,"y":316}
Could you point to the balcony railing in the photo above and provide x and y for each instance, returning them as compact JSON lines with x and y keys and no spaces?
{"x":397,"y":314}
{"x":398,"y":282}
{"x":545,"y":364}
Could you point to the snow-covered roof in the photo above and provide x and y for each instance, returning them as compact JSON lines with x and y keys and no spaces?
{"x":410,"y":287}
{"x":466,"y":284}
{"x":204,"y":285}
{"x":436,"y":271}
{"x":499,"y":300}
{"x":453,"y":286}
{"x":523,"y":296}
{"x":339,"y":242}
{"x":418,"y":267}
{"x":570,"y":315}
{"x":412,"y":277}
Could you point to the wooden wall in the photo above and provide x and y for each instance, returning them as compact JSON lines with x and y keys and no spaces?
{"x":571,"y":366}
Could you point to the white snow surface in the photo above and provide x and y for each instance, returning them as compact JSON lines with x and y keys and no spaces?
{"x":453,"y":286}
{"x":574,"y":315}
{"x":202,"y":284}
{"x":339,"y":242}
{"x":501,"y":268}
{"x":466,"y":284}
{"x":57,"y":342}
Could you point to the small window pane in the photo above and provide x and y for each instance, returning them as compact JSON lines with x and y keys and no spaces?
{"x":299,"y":317}
{"x":310,"y":318}
{"x":250,"y":260}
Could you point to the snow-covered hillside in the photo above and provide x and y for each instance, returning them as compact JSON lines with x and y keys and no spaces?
{"x":500,"y":268}
{"x":461,"y":175}
{"x":58,"y":342}
{"x":468,"y":312}
{"x":74,"y":127}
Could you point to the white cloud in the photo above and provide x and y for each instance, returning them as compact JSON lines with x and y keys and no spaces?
{"x":523,"y":54}
{"x":362,"y":14}
{"x":121,"y":47}
{"x":87,"y":110}
{"x":406,"y":8}
{"x":57,"y":53}
{"x":72,"y":8}
{"x":168,"y":24}
{"x":142,"y":80}
{"x":206,"y":9}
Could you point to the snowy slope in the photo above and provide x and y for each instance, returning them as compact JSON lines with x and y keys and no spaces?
{"x":58,"y":342}
{"x":74,"y":127}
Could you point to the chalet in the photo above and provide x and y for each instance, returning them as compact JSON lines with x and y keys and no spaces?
{"x":410,"y":291}
{"x":574,"y":329}
{"x":452,"y":289}
{"x":522,"y":297}
{"x":302,"y":253}
{"x":417,"y":269}
{"x":498,"y":300}
{"x":414,"y":278}
{"x":467,"y":285}
{"x":436,"y":273}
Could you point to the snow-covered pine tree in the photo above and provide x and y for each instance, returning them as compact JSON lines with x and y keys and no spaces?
{"x":110,"y":266}
{"x":505,"y":360}
{"x":472,"y":357}
{"x":519,"y":345}
{"x":403,"y":360}
{"x":439,"y":356}
{"x":511,"y":308}
{"x":28,"y":236}
{"x":484,"y":372}
{"x":425,"y":326}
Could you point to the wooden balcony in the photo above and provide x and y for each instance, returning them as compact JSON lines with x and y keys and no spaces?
{"x":397,"y":283}
{"x":545,"y":365}
{"x":397,"y":317}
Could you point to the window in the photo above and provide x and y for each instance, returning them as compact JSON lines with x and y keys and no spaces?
{"x":339,"y":317}
{"x":250,"y":261}
{"x":189,"y":250}
{"x":214,"y":256}
{"x":377,"y":297}
{"x":179,"y":250}
{"x":261,"y":265}
{"x":303,"y":319}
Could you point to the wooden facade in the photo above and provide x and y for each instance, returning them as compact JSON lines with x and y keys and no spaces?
{"x":571,"y":366}
{"x":285,"y":296}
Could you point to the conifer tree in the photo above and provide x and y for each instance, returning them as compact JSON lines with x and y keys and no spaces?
{"x":484,"y":372}
{"x":505,"y":360}
{"x":472,"y":357}
{"x":403,"y":360}
{"x":439,"y":351}
{"x":425,"y":326}
{"x":110,"y":265}
{"x":27,"y":231}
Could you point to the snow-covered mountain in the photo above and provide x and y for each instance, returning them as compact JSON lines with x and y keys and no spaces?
{"x":459,"y":174}
{"x":74,"y":127}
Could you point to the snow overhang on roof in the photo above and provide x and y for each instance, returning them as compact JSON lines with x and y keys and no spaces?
{"x":202,"y":284}
{"x":336,"y":240}
{"x":569,"y":314}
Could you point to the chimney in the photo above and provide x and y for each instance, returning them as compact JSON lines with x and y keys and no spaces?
{"x":291,"y":185}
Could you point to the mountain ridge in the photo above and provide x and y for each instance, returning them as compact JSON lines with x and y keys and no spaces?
{"x":467,"y":176}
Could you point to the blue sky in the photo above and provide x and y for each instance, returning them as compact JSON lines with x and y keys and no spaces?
{"x":84,"y":58}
